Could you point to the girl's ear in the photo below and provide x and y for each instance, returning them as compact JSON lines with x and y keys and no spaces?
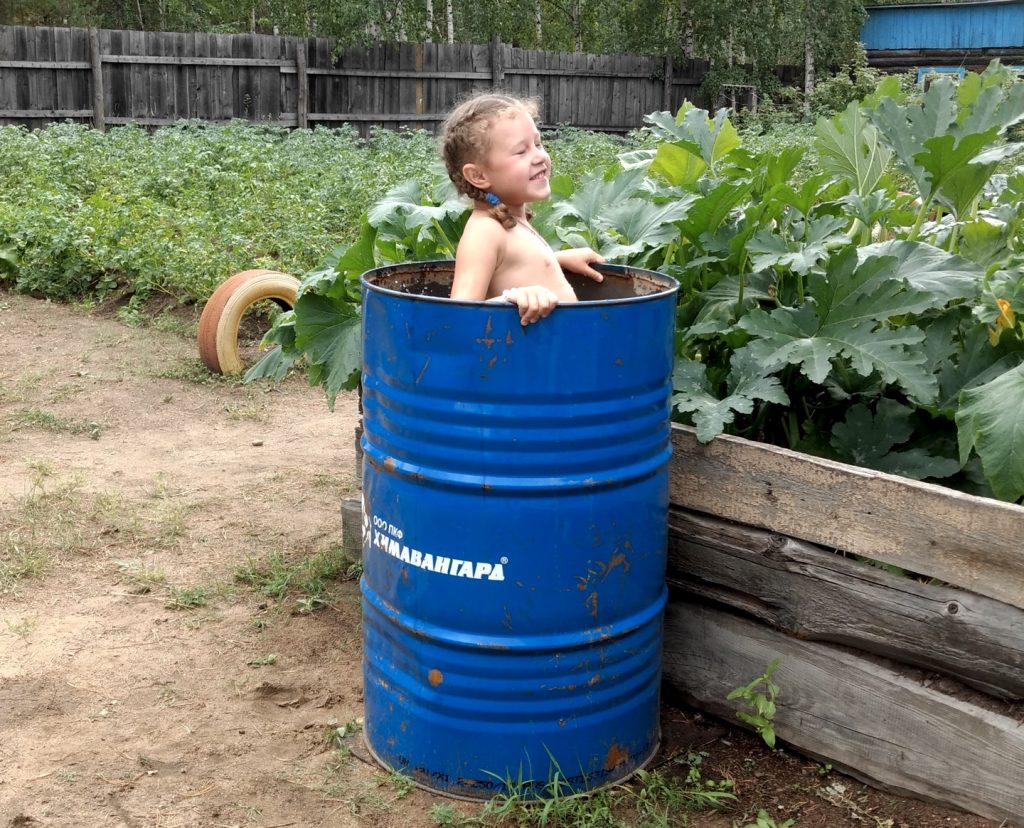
{"x":475,"y":176}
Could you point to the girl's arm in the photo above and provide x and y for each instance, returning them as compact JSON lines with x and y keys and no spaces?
{"x":579,"y":260}
{"x":479,"y":254}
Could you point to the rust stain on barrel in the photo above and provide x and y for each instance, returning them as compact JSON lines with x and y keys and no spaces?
{"x":616,"y":756}
{"x":423,"y":370}
{"x":435,"y":677}
{"x":487,"y":340}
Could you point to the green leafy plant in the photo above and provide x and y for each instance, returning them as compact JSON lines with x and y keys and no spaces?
{"x":657,"y":798}
{"x":185,"y":598}
{"x":759,"y":699}
{"x":830,"y":311}
{"x":305,"y":581}
{"x":766,"y":820}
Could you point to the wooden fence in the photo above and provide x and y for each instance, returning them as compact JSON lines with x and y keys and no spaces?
{"x":156,"y":78}
{"x":912,"y":684}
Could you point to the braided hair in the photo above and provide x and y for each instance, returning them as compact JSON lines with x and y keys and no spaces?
{"x":464,"y":140}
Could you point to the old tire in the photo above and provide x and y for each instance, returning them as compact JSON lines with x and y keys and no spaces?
{"x":222,"y":315}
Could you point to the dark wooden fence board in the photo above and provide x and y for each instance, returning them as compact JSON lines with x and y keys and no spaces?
{"x":972,"y":542}
{"x":817,"y":595}
{"x":864,"y":715}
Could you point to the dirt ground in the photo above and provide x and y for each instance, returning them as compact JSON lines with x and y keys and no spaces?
{"x":142,"y":684}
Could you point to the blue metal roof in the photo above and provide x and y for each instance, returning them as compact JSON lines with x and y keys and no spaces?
{"x":993,"y":24}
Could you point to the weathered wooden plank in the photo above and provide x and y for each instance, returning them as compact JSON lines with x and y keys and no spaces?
{"x":403,"y":117}
{"x":98,"y":93}
{"x":573,"y":72}
{"x":159,"y":104}
{"x":858,"y":713}
{"x":225,"y":79}
{"x":8,"y":84}
{"x":970,"y":542}
{"x":301,"y":84}
{"x":818,"y":595}
{"x":343,"y":72}
{"x":319,"y":99}
{"x":392,"y":86}
{"x":44,"y":64}
{"x":408,"y":59}
{"x":203,"y":80}
{"x":155,"y":60}
{"x":80,"y":81}
{"x":247,"y":93}
{"x":181,"y":91}
{"x":41,"y":82}
{"x":270,"y":80}
{"x":113,"y":79}
{"x":287,"y":119}
{"x":48,"y":114}
{"x":138,"y":79}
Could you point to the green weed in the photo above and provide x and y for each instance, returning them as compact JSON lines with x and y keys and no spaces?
{"x":263,"y":661}
{"x":765,"y":820}
{"x":47,"y":522}
{"x":304,"y":582}
{"x":140,"y":576}
{"x":759,"y":697}
{"x":34,"y":418}
{"x":185,"y":598}
{"x":653,"y":799}
{"x":194,"y":371}
{"x":337,"y":737}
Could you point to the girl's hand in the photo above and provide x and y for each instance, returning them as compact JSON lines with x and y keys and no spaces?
{"x":579,"y":260}
{"x":534,"y":302}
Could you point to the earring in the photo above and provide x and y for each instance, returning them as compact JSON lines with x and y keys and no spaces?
{"x":492,"y":199}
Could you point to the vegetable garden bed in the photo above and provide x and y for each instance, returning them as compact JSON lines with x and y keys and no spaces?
{"x":766,"y":561}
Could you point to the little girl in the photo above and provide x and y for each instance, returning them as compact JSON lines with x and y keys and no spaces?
{"x":493,"y":152}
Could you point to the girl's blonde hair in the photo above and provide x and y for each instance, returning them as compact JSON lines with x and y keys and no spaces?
{"x":464,"y":140}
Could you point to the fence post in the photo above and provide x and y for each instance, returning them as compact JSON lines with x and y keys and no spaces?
{"x":666,"y":96}
{"x":497,"y":70}
{"x":301,"y":85}
{"x":99,"y":115}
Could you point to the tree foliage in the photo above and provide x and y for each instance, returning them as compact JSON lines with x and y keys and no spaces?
{"x":759,"y":34}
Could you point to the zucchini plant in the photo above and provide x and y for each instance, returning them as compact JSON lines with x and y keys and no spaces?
{"x":868,"y":312}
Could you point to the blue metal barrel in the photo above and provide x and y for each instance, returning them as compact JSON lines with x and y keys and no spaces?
{"x":515,"y":487}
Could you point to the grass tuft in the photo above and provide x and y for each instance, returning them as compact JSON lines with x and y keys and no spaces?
{"x":35,"y":418}
{"x":303,"y":584}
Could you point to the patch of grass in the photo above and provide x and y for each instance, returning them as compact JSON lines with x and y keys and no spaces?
{"x":140,"y":577}
{"x":22,"y":628}
{"x":653,"y":799}
{"x":57,"y":521}
{"x":195,"y":371}
{"x":263,"y":661}
{"x":250,"y":411}
{"x":186,"y":598}
{"x":45,"y":523}
{"x":168,"y":696}
{"x":35,"y":418}
{"x":305,"y":582}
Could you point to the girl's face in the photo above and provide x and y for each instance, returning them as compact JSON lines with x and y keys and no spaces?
{"x":515,"y":167}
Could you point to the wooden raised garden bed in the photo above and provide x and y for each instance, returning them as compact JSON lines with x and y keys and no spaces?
{"x":909,"y":683}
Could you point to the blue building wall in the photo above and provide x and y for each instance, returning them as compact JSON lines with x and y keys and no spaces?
{"x":996,"y":24}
